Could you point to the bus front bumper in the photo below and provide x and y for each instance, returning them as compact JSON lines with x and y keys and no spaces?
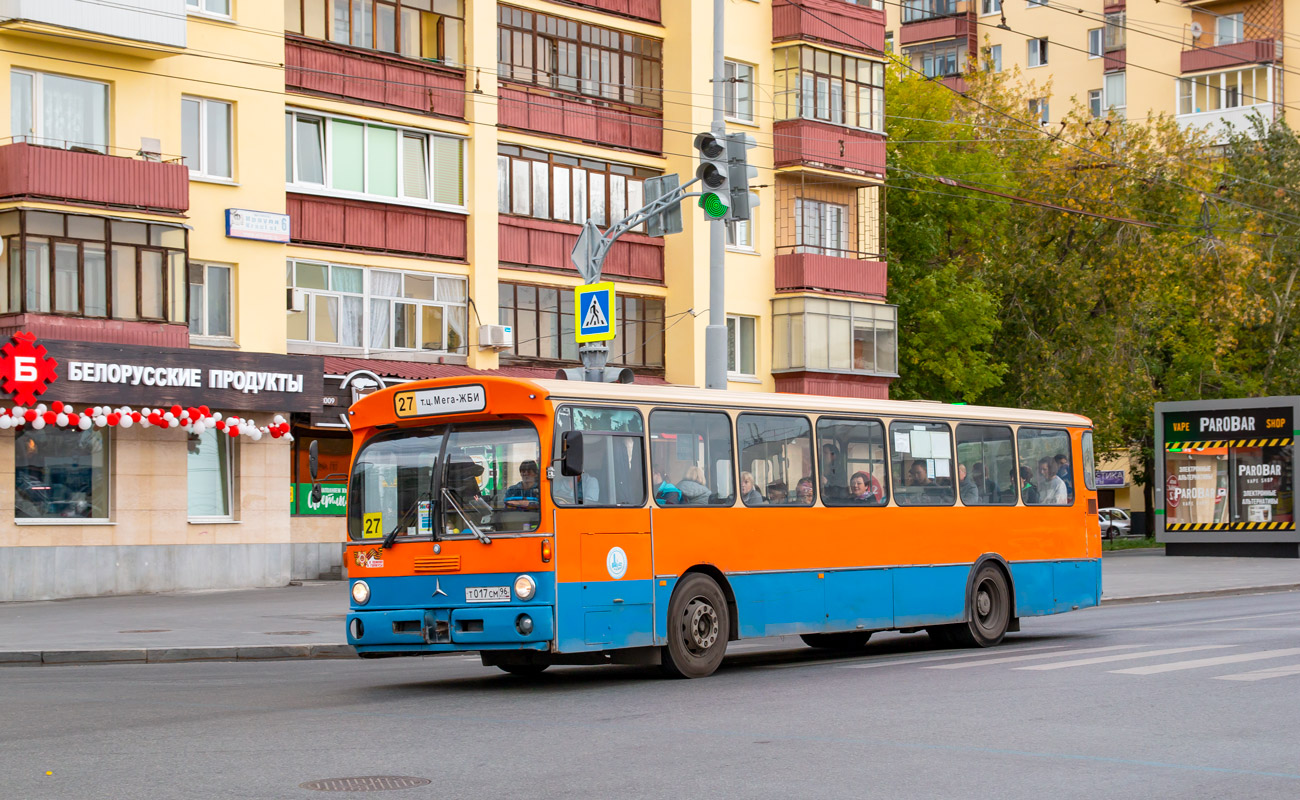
{"x":433,"y":630}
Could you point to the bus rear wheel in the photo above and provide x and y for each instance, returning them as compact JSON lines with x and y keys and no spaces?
{"x":990,"y":611}
{"x":849,"y":640}
{"x":698,"y":624}
{"x":523,"y":668}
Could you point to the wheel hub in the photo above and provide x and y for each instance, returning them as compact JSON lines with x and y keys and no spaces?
{"x":701,"y":625}
{"x":983,"y":603}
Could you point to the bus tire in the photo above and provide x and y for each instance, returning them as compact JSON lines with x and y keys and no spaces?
{"x":698,"y":622}
{"x":848,"y":640}
{"x":523,"y":668}
{"x":990,"y":609}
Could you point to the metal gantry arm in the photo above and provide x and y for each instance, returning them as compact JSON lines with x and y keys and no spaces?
{"x":595,"y":257}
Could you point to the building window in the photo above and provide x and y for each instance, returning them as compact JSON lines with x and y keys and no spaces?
{"x":429,"y":29}
{"x":220,"y":8}
{"x":1038,"y":109}
{"x":741,"y":346}
{"x":940,"y":60}
{"x":542,"y":319}
{"x":989,"y":7}
{"x":57,"y":111}
{"x":1222,"y":90}
{"x":533,"y":183}
{"x":813,"y":333}
{"x":373,"y":162}
{"x":1230,"y":29}
{"x":206,"y":137}
{"x":378,"y":309}
{"x":1115,"y":31}
{"x":1038,"y":52}
{"x":1115,"y":92}
{"x":821,"y":228}
{"x":571,"y":56}
{"x":826,"y":219}
{"x":919,"y":10}
{"x":820,"y":85}
{"x":739,"y":91}
{"x":210,"y":306}
{"x":1095,"y":44}
{"x":740,"y":234}
{"x":1094,"y":102}
{"x":993,"y":58}
{"x":61,"y":474}
{"x":1035,"y":3}
{"x":93,"y":267}
{"x":210,"y":475}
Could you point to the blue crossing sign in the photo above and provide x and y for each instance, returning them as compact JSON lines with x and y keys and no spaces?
{"x":593,"y":310}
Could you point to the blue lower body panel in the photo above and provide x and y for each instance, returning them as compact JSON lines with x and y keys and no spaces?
{"x":605,"y":615}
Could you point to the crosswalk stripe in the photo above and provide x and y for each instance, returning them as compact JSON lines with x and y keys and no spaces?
{"x":1083,"y":662}
{"x":1262,"y":674}
{"x":1009,"y":659}
{"x":945,"y":657}
{"x":1207,"y":662}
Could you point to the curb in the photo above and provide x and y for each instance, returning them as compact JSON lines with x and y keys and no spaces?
{"x":1239,"y":590}
{"x":174,"y":655}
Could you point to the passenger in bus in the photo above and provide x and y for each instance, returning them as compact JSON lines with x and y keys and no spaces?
{"x":525,"y":493}
{"x":832,"y":470}
{"x":1066,"y":474}
{"x":804,"y":493}
{"x":970,"y":493}
{"x":665,"y":493}
{"x":778,"y":494}
{"x":1028,"y":492}
{"x":989,"y":492}
{"x":1051,"y":489}
{"x":916,"y":475}
{"x":864,"y":488}
{"x":693,"y":487}
{"x":585,"y":486}
{"x":749,"y":493}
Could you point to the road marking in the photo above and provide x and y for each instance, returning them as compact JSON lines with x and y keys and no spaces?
{"x":1261,"y":674}
{"x":1212,"y":621}
{"x":1293,"y":629}
{"x":945,"y":657}
{"x":1208,"y":662}
{"x":1008,"y":659}
{"x":1083,"y":662}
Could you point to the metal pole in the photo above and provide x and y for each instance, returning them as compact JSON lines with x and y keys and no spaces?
{"x":715,"y":335}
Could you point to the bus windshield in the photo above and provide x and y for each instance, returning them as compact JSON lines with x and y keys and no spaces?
{"x":489,"y":470}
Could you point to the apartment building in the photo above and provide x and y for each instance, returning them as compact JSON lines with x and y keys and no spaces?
{"x":266,"y":209}
{"x":1205,"y":62}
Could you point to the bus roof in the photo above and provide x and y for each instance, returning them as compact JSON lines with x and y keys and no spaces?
{"x":690,"y":395}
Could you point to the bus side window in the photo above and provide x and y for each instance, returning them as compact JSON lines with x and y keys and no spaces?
{"x":690,"y":458}
{"x":1045,"y":466}
{"x":922,"y":463}
{"x":614,"y":450}
{"x":776,"y":451}
{"x":986,"y":459}
{"x":852,"y":462}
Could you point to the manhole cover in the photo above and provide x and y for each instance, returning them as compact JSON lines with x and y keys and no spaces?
{"x":288,"y":633}
{"x":149,"y":630}
{"x":371,"y":783}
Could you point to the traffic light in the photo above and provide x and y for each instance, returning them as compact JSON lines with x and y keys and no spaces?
{"x":715,"y":173}
{"x":739,"y":173}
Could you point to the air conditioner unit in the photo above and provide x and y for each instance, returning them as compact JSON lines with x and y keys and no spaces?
{"x":496,"y":337}
{"x":297,"y":300}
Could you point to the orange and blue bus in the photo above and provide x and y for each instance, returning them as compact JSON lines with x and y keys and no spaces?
{"x":551,"y":522}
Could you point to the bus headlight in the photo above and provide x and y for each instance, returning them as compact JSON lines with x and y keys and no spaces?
{"x":525,"y":587}
{"x":361,"y":592}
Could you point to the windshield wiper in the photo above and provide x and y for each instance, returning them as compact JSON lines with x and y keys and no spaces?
{"x":451,"y":501}
{"x":406,"y":516}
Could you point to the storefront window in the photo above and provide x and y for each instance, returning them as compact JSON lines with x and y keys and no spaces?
{"x":210,"y":475}
{"x":61,"y":474}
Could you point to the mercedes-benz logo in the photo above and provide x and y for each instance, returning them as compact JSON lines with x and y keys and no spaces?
{"x":437,"y":588}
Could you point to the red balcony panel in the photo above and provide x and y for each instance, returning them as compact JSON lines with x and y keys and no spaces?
{"x":377,"y":227}
{"x":1255,"y":51}
{"x":834,"y":384}
{"x":1114,"y":61}
{"x":937,"y":28}
{"x":544,"y":245}
{"x":819,"y":144}
{"x":834,"y":22}
{"x":573,"y":117}
{"x":373,"y":78}
{"x":647,"y":10}
{"x":807,"y":271}
{"x":48,"y":173}
{"x":109,"y":331}
{"x":955,"y":82}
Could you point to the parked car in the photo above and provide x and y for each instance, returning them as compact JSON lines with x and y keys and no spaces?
{"x":1115,"y":523}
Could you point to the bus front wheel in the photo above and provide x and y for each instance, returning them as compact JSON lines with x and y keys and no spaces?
{"x":698,"y":623}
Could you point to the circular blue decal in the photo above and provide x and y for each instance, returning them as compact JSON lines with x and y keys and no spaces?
{"x":616,"y":563}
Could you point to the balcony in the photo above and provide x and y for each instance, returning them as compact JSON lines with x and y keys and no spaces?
{"x":1253,"y":51}
{"x":31,"y":172}
{"x":107,"y":331}
{"x":802,"y":142}
{"x":1114,"y":61}
{"x":372,"y":78}
{"x":376,"y":227}
{"x":1213,"y":122}
{"x":797,"y":272}
{"x":545,"y":245}
{"x":573,"y":116}
{"x":647,"y":10}
{"x":930,"y":20}
{"x":834,"y":384}
{"x":835,"y":22}
{"x":955,"y":82}
{"x":142,"y":28}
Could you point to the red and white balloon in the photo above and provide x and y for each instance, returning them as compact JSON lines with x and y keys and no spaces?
{"x":192,"y":420}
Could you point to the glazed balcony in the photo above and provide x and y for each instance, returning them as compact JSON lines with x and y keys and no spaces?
{"x":852,"y":26}
{"x":148,"y":29}
{"x":32,"y":172}
{"x":801,"y":142}
{"x":930,"y":20}
{"x":376,"y":227}
{"x":1253,"y":51}
{"x":538,"y":244}
{"x":372,"y":78}
{"x":574,"y":116}
{"x":647,"y":10}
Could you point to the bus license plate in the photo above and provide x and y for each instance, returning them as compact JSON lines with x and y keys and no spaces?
{"x":487,"y":594}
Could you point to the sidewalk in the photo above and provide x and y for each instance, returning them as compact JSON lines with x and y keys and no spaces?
{"x":307,"y":621}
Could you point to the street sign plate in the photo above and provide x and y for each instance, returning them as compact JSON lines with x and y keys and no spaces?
{"x":593,"y":310}
{"x":584,"y":252}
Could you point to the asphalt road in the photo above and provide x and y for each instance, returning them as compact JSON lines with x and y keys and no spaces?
{"x":1192,"y":699}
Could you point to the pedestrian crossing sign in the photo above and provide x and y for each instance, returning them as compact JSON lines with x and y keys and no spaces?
{"x":593,"y":311}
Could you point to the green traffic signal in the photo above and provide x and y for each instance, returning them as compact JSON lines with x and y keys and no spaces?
{"x":713,"y":205}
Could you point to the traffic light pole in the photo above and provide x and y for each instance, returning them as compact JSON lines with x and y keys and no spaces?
{"x":715,"y":335}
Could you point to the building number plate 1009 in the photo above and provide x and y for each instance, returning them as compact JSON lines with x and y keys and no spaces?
{"x":448,"y":400}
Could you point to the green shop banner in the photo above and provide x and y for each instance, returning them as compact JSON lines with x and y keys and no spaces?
{"x":333,"y":499}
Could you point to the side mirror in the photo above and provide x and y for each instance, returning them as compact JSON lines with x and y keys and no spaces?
{"x":313,"y":459}
{"x":315,"y":492}
{"x":571,"y":453}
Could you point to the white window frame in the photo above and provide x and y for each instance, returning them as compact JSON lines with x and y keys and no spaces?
{"x":1036,"y":48}
{"x":232,"y":458}
{"x":989,"y":8}
{"x":1109,"y":102}
{"x":295,"y":184}
{"x":1096,"y":42}
{"x":1230,"y":29}
{"x":734,"y":323}
{"x":38,"y":134}
{"x":1040,"y":109}
{"x":207,"y":106}
{"x":1185,"y":89}
{"x":206,"y":333}
{"x":199,"y":8}
{"x":740,"y":235}
{"x":1035,"y":3}
{"x":732,"y":74}
{"x":826,"y":228}
{"x":1095,"y":103}
{"x":993,"y":58}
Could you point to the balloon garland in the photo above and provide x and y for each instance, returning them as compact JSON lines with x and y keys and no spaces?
{"x":193,"y":420}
